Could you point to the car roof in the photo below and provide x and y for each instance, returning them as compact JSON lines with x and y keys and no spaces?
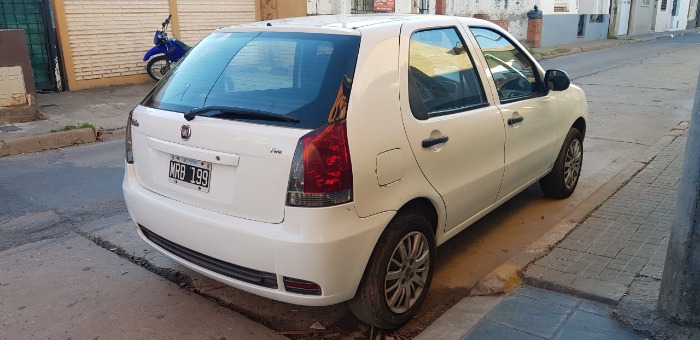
{"x":346,"y":23}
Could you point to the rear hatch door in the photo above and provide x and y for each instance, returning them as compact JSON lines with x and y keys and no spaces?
{"x":220,"y":130}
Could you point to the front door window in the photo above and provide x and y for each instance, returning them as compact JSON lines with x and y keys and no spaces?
{"x":514,"y":75}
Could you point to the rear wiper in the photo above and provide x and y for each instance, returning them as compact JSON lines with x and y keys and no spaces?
{"x":240,"y":112}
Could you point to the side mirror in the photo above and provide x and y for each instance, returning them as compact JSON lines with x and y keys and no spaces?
{"x":556,"y":80}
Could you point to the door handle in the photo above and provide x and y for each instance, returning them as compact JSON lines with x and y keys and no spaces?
{"x":434,"y":141}
{"x":515,"y":120}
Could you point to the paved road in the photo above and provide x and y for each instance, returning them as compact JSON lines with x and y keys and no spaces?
{"x":637,"y":93}
{"x":55,"y":283}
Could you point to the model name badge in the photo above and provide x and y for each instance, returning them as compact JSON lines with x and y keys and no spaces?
{"x":276,"y":151}
{"x":189,"y":161}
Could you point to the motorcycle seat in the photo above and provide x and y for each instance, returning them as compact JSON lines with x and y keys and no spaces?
{"x":184,"y":47}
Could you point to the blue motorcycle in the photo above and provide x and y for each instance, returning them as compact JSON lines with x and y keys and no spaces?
{"x":170,"y":50}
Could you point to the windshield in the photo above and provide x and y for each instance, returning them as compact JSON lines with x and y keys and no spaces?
{"x":303,"y":75}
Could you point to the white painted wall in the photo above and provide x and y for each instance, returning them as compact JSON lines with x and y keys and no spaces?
{"x":594,"y":6}
{"x":319,"y":7}
{"x":680,"y":22}
{"x":412,"y":6}
{"x":515,"y":11}
{"x":663,"y":18}
{"x":496,"y":9}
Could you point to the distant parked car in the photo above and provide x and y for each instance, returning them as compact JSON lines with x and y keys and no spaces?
{"x":322,"y":159}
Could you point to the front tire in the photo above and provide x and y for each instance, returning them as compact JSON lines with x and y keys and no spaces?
{"x":157,"y":67}
{"x":398,"y":274}
{"x":562,"y":181}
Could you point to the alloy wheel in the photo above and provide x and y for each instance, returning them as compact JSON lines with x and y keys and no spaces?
{"x":572,"y":163}
{"x":407,"y":272}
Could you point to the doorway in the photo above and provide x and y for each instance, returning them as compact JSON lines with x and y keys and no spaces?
{"x":35,"y":18}
{"x":624,"y":22}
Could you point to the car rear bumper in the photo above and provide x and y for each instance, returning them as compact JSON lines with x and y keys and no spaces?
{"x":326,"y":246}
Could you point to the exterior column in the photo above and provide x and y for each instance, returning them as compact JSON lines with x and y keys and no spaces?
{"x":534,"y":32}
{"x":175,"y":20}
{"x":440,"y":6}
{"x":679,"y":298}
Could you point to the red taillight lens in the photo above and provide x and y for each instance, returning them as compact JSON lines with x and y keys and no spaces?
{"x":321,"y":172}
{"x":129,"y":155}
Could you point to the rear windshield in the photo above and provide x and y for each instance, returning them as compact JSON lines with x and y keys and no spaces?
{"x":303,"y":75}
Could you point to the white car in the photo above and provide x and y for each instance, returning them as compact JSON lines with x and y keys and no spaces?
{"x":322,"y":159}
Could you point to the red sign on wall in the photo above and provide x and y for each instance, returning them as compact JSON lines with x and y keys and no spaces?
{"x":386,"y":6}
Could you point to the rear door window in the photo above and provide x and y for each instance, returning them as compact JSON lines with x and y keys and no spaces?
{"x":302,"y":75}
{"x":442,"y":73}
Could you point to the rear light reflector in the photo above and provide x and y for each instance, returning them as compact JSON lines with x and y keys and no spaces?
{"x":129,"y":154}
{"x":321,"y":173}
{"x":300,"y":286}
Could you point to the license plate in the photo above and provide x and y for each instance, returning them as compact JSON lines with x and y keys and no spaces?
{"x":190,"y":173}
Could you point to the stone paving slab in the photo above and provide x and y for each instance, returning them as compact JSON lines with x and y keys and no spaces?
{"x":625,"y":237}
{"x":530,"y":313}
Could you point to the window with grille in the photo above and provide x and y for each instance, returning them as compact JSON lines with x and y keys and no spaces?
{"x":664,"y":4}
{"x":362,"y":6}
{"x":646,"y":3}
{"x":561,"y":5}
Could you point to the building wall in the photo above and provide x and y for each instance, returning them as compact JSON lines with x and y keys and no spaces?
{"x":597,"y":30}
{"x":692,"y":14}
{"x":198,"y":18}
{"x":560,"y":29}
{"x":594,"y":6}
{"x":108,"y":39}
{"x":641,"y":17}
{"x":17,"y":101}
{"x":322,"y":7}
{"x":663,"y":17}
{"x":344,"y":6}
{"x":513,"y":11}
{"x":103,"y":42}
{"x":680,"y":21}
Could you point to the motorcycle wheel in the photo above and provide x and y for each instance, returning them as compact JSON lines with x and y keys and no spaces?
{"x":157,"y":67}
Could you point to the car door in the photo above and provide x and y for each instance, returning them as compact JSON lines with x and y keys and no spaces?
{"x":455,"y":132}
{"x":531,"y":114}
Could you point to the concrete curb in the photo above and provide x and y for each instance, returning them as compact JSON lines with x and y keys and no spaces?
{"x":48,"y":141}
{"x":112,"y":134}
{"x":568,"y":50}
{"x":508,"y":275}
{"x":563,"y":51}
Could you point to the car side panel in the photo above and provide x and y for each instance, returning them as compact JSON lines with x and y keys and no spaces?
{"x":467,"y":169}
{"x":375,"y":130}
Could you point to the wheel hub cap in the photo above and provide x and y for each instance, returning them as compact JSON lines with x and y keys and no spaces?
{"x":572,"y":164}
{"x":407,"y":272}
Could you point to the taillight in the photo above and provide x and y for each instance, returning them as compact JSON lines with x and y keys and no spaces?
{"x":129,"y":155}
{"x":321,"y":173}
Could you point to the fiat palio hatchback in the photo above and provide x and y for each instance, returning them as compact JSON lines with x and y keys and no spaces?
{"x":322,"y":159}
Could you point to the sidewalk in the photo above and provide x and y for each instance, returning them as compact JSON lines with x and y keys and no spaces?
{"x":561,"y":50}
{"x":611,"y":264}
{"x":104,"y":109}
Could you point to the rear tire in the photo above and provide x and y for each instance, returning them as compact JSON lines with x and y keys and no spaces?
{"x":157,"y":67}
{"x":398,"y":274}
{"x":562,"y":181}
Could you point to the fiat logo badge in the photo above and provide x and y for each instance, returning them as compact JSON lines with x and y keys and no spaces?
{"x":185,"y":132}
